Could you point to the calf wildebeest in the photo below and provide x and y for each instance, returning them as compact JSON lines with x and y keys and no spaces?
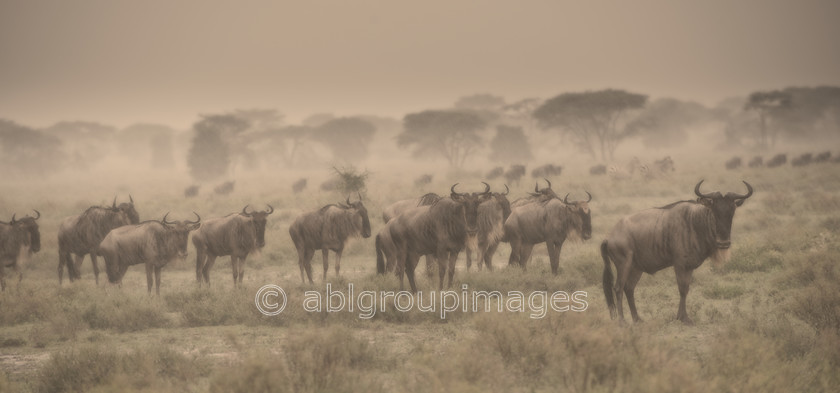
{"x":598,"y":170}
{"x":18,"y":239}
{"x":492,"y":214}
{"x":191,"y":191}
{"x":441,"y":229}
{"x":299,"y":185}
{"x":777,"y":160}
{"x":423,"y":180}
{"x":236,"y":234}
{"x":682,"y":234}
{"x":82,"y":234}
{"x":495,"y":173}
{"x":152,"y":243}
{"x":325,"y":229}
{"x":733,"y":163}
{"x":756,"y":162}
{"x":224,"y":188}
{"x":514,"y":173}
{"x":802,"y":160}
{"x":823,"y":157}
{"x":547,"y":170}
{"x":550,"y":222}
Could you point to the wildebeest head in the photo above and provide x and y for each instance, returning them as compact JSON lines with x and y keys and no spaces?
{"x":545,"y":194}
{"x":29,"y":225}
{"x":127,"y":209}
{"x":501,"y":199}
{"x":723,"y":209}
{"x":361,"y":213}
{"x":179,"y":232}
{"x":581,"y":215}
{"x":470,"y":202}
{"x":259,"y":219}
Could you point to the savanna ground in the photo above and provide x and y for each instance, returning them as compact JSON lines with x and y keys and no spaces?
{"x":768,"y":320}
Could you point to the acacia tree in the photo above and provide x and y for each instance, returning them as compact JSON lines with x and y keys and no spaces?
{"x":451,"y":134}
{"x":593,"y":119}
{"x":768,"y":104}
{"x":347,"y":137}
{"x":211,"y":151}
{"x":510,"y":145}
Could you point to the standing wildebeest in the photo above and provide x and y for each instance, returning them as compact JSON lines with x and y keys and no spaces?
{"x":600,"y":169}
{"x":495,"y":173}
{"x":152,"y":243}
{"x":802,"y":160}
{"x":82,"y":234}
{"x":236,"y":234}
{"x":514,"y":173}
{"x":299,"y":185}
{"x":325,"y":229}
{"x":733,"y":163}
{"x":756,"y":162}
{"x":823,"y":157}
{"x":441,"y":229}
{"x":682,"y":234}
{"x":777,"y":160}
{"x":385,"y":246}
{"x":550,"y":222}
{"x":191,"y":191}
{"x":224,"y":188}
{"x":18,"y":239}
{"x":492,"y":214}
{"x":547,"y":170}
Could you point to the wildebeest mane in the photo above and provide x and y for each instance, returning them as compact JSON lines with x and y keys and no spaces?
{"x":428,"y":199}
{"x":672,"y":204}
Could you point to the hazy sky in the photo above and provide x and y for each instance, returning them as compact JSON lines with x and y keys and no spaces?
{"x":121,"y":62}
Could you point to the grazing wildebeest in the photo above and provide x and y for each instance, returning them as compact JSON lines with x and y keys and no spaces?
{"x":237,"y":235}
{"x":547,"y":170}
{"x":777,"y":160}
{"x":325,"y":229}
{"x":441,"y":229}
{"x":514,"y":173}
{"x":191,"y":191}
{"x":802,"y":160}
{"x":224,"y":188}
{"x":82,"y":234}
{"x":682,"y":234}
{"x":495,"y":173}
{"x":756,"y":162}
{"x":152,"y":243}
{"x":492,"y":214}
{"x":299,"y":185}
{"x":423,"y":180}
{"x":549,"y":222}
{"x":539,"y":195}
{"x":823,"y":157}
{"x":733,"y":163}
{"x":598,"y":170}
{"x":18,"y":239}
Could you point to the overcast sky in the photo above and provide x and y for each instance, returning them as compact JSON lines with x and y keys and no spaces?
{"x":121,"y":62}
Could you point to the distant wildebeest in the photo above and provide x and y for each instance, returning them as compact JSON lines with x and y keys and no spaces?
{"x":598,"y":170}
{"x":152,"y":243}
{"x":237,"y":235}
{"x":549,"y":222}
{"x":442,"y":229}
{"x":81,"y":235}
{"x":777,"y":160}
{"x":330,"y":185}
{"x":514,"y":173}
{"x":664,"y":165}
{"x":299,"y":185}
{"x":682,"y":234}
{"x":492,"y":214}
{"x":495,"y":173}
{"x":659,"y":169}
{"x":823,"y":157}
{"x":325,"y":229}
{"x":539,"y":195}
{"x":733,"y":163}
{"x":18,"y":240}
{"x":756,"y":162}
{"x":191,"y":191}
{"x":423,"y":180}
{"x":802,"y":160}
{"x":384,"y":243}
{"x":547,"y":170}
{"x":224,"y":188}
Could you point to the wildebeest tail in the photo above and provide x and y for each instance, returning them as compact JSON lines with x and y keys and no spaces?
{"x":608,"y":277}
{"x":380,"y":255}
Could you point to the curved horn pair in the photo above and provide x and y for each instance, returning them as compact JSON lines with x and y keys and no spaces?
{"x":244,"y":212}
{"x":507,"y":190}
{"x":188,"y":222}
{"x":270,"y":209}
{"x":196,"y":221}
{"x":566,"y":198}
{"x":737,"y":196}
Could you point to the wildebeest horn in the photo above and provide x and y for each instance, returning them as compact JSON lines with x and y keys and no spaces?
{"x":566,"y":199}
{"x":196,"y":221}
{"x":270,"y":209}
{"x":359,"y":194}
{"x":244,"y":212}
{"x":130,"y":199}
{"x":114,"y":205}
{"x":700,"y":194}
{"x":452,"y":189}
{"x":486,"y":188}
{"x":164,"y":219}
{"x":38,"y":214}
{"x":549,"y":183}
{"x":13,"y":219}
{"x":749,"y":192}
{"x":348,"y":200}
{"x":507,"y":190}
{"x":590,"y":196}
{"x":536,"y":187}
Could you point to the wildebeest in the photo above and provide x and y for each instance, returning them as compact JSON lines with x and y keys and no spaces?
{"x":152,"y":243}
{"x":682,"y":234}
{"x":237,"y":235}
{"x":802,"y":160}
{"x":492,"y":214}
{"x":777,"y":160}
{"x":299,"y":185}
{"x":664,"y":165}
{"x":659,"y":169}
{"x":823,"y":157}
{"x":82,"y":234}
{"x":495,"y":173}
{"x":224,"y":188}
{"x":18,"y":239}
{"x":733,"y":163}
{"x":423,"y":180}
{"x":550,"y":222}
{"x":547,"y":170}
{"x":756,"y":162}
{"x":384,"y":244}
{"x":514,"y":173}
{"x":539,"y":195}
{"x":441,"y":229}
{"x":325,"y":229}
{"x":191,"y":191}
{"x":598,"y":170}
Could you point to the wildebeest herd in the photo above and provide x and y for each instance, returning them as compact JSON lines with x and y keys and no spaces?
{"x":682,"y":234}
{"x":781,"y":159}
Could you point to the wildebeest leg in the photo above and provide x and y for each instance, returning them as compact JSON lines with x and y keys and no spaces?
{"x":469,"y":259}
{"x":629,"y":289}
{"x":306,"y":263}
{"x":453,"y":257}
{"x":79,"y":258}
{"x":205,"y":270}
{"x":515,"y":246}
{"x":241,"y":265}
{"x":488,"y":255}
{"x":325,"y":253}
{"x":149,"y":278}
{"x":525,"y":254}
{"x":95,"y":266}
{"x":442,"y":258}
{"x":61,"y":263}
{"x":683,"y":281}
{"x":411,"y":261}
{"x":622,"y":267}
{"x":2,"y":275}
{"x":338,"y":262}
{"x":234,"y":266}
{"x":553,"y":256}
{"x":430,"y":265}
{"x":200,"y":259}
{"x":157,"y":280}
{"x":16,"y":267}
